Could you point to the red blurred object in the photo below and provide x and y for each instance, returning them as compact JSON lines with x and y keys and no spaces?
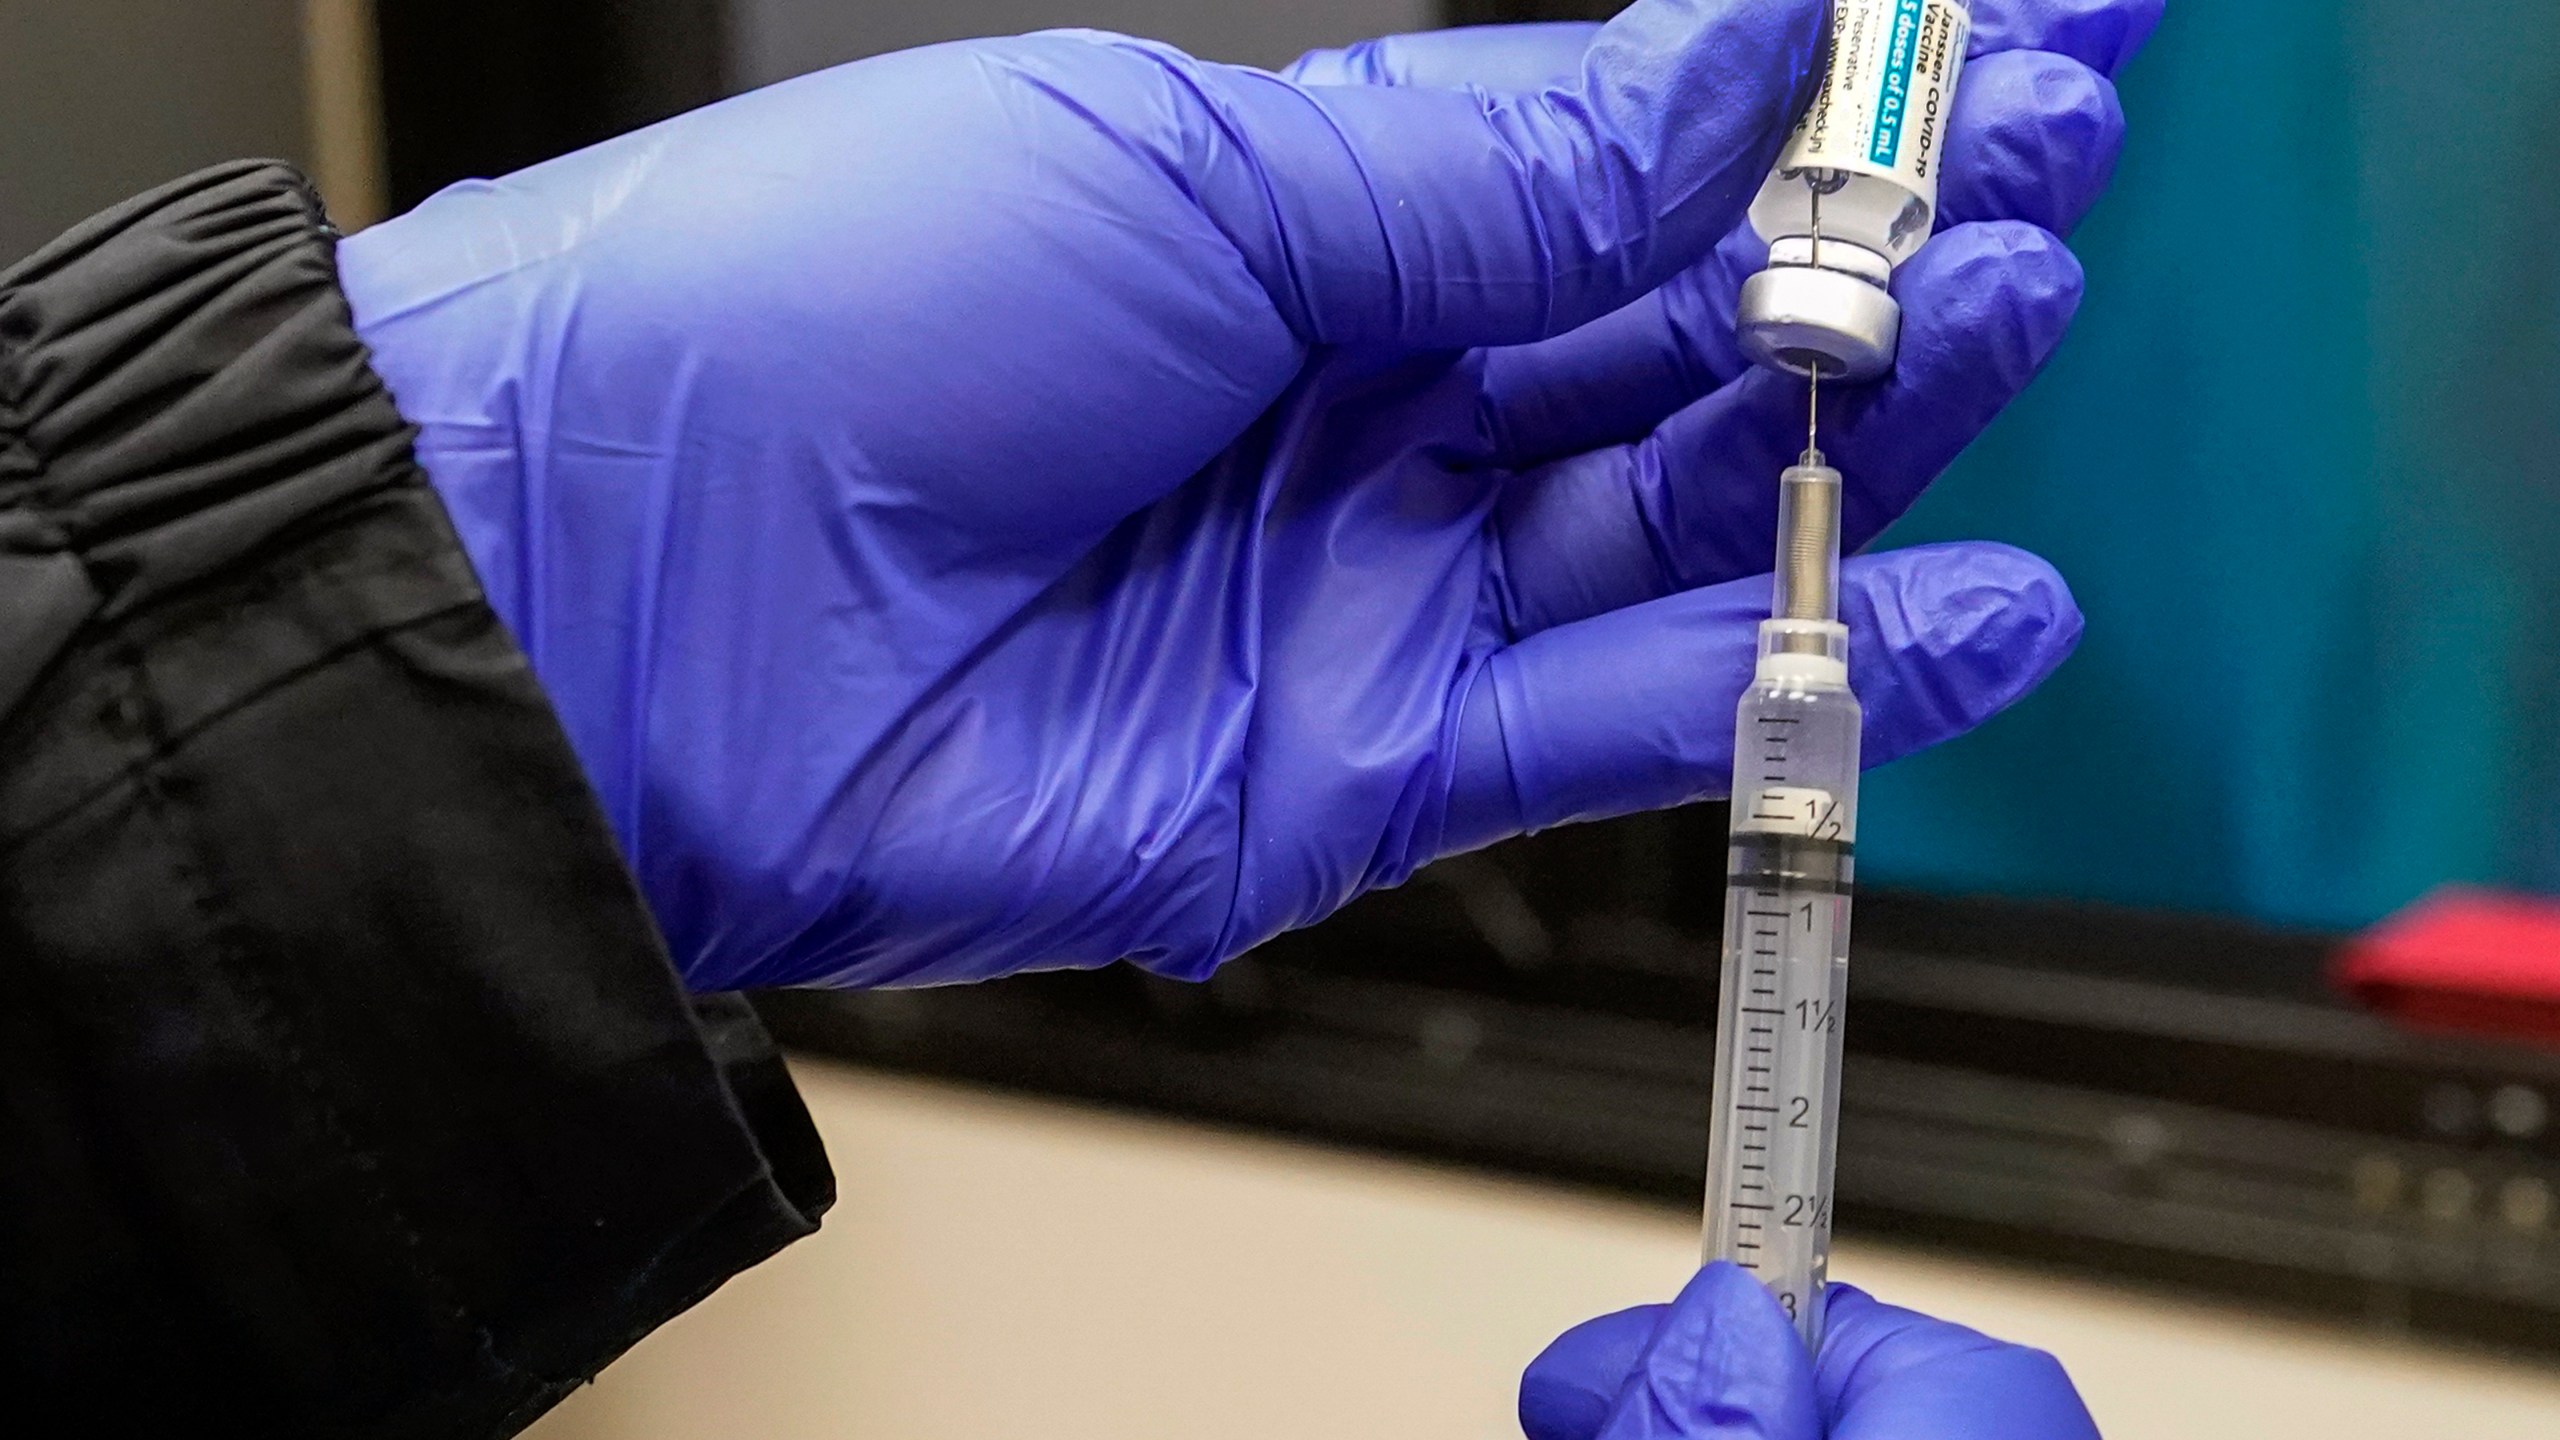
{"x":2473,"y":962}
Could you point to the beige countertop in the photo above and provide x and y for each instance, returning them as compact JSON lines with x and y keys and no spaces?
{"x":1001,"y":1267}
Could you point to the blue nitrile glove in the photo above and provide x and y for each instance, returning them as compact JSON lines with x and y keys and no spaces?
{"x":1033,"y":502}
{"x":1724,"y":1361}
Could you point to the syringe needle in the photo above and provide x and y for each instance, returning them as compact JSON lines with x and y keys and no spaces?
{"x":1812,"y":367}
{"x":1813,"y":184}
{"x":1813,"y":416}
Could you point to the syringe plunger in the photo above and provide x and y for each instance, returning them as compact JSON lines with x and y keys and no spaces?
{"x":1806,"y":608}
{"x":1808,"y":542}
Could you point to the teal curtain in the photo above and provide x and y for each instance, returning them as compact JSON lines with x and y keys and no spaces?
{"x":2300,"y":461}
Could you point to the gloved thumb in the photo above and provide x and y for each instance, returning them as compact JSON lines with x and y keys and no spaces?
{"x":1722,"y":1360}
{"x":1633,"y":710}
{"x":1456,"y":217}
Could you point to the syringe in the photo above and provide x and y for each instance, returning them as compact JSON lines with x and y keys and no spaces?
{"x":1786,"y":937}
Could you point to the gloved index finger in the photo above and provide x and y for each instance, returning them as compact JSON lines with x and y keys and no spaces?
{"x":1426,"y":217}
{"x":1492,"y":57}
{"x":1722,"y":1360}
{"x":1569,"y":1390}
{"x":2101,"y":34}
{"x":1886,"y":1373}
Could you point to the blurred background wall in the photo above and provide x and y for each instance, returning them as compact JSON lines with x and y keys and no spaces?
{"x":103,"y":98}
{"x":2298,"y":461}
{"x":226,"y":80}
{"x":480,"y":87}
{"x":483,"y":87}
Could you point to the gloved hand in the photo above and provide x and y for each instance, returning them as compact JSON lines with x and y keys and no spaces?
{"x":1034,"y":502}
{"x":1724,"y":1360}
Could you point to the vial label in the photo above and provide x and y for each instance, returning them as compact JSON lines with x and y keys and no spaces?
{"x":1885,"y":107}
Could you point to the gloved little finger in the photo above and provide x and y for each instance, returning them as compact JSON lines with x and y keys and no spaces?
{"x":1633,"y":710}
{"x":1886,"y":1373}
{"x":2035,"y":137}
{"x":1502,"y":58}
{"x":1722,"y":1360}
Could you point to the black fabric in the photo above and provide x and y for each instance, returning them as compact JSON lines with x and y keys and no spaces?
{"x":345,"y":1087}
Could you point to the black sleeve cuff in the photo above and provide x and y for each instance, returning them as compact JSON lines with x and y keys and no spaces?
{"x":345,"y":1086}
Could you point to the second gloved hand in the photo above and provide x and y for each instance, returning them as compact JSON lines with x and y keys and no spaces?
{"x":1724,"y":1361}
{"x":1038,"y":502}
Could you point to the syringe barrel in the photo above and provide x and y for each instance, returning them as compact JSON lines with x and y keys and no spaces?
{"x":1790,"y":869}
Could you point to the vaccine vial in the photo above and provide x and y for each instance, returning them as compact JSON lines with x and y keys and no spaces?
{"x":1855,"y":192}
